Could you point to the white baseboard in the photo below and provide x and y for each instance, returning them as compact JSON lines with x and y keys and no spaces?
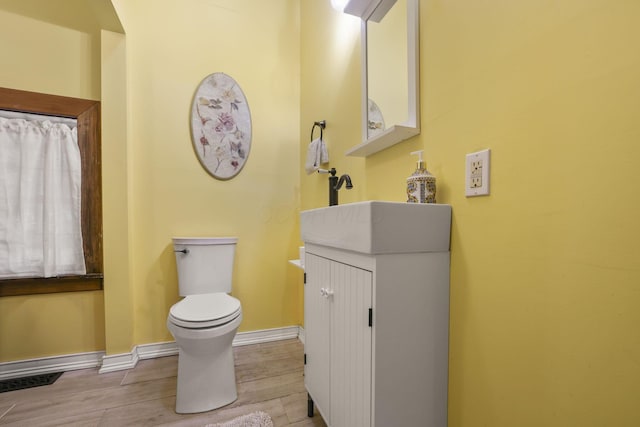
{"x":150,"y":351}
{"x":265,"y":335}
{"x":47,"y":365}
{"x":161,"y":349}
{"x":118,"y":362}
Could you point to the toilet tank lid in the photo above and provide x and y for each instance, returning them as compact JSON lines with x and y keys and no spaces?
{"x":204,"y":240}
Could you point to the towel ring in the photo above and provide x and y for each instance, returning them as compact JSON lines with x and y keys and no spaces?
{"x":321,"y":124}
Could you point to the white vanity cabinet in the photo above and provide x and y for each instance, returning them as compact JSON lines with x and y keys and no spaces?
{"x":376,"y":317}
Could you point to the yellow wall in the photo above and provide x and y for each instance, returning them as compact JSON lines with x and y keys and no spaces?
{"x":170,"y":49}
{"x":153,"y":185}
{"x":545,"y":271}
{"x":116,"y":197}
{"x":47,"y":325}
{"x":32,"y":59}
{"x":330,"y":90}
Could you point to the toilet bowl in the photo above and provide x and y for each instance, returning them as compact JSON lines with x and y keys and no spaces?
{"x":204,"y":324}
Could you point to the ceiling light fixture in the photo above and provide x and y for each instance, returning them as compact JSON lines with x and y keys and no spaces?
{"x":339,"y":4}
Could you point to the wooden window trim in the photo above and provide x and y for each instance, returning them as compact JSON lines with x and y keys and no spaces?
{"x":87,"y":113}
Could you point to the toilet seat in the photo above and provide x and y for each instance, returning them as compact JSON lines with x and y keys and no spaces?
{"x":205,"y":311}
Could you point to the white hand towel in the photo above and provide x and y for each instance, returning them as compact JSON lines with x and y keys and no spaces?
{"x":324,"y":154}
{"x":317,"y":154}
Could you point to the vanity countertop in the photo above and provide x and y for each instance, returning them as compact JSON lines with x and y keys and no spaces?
{"x":379,"y":227}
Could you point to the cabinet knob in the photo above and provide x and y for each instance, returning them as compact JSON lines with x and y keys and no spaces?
{"x":326,"y":292}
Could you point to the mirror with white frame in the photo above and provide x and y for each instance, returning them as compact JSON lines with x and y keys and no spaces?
{"x":390,"y":73}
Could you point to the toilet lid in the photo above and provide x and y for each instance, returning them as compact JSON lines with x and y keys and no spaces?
{"x":205,"y":308}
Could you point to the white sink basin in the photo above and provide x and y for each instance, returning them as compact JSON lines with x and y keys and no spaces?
{"x":376,"y":227}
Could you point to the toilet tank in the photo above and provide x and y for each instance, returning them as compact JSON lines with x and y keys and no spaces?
{"x":205,"y":264}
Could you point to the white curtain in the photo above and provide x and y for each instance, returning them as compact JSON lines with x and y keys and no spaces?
{"x":40,"y":176}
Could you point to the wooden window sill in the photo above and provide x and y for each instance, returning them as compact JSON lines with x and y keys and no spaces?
{"x":31,"y":286}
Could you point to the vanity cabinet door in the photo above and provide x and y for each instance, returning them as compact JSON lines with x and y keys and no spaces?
{"x":317,"y":325}
{"x":350,"y":346}
{"x":338,"y":348}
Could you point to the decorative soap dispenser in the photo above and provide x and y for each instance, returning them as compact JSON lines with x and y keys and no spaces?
{"x":421,"y":185}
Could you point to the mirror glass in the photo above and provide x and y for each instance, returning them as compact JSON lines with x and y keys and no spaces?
{"x":387,"y":74}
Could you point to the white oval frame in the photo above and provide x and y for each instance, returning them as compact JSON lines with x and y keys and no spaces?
{"x":221,"y":126}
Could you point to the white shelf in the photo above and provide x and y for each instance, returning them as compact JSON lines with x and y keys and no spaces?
{"x":386,"y":139}
{"x":296,"y":262}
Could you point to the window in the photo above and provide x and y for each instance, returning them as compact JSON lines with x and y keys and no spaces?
{"x":87,"y":113}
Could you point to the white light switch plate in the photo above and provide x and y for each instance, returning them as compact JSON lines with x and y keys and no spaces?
{"x":476,"y":182}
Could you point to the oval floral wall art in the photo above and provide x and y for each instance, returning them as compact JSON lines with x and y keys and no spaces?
{"x":221,"y":126}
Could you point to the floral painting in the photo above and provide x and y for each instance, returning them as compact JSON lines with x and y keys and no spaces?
{"x":221,"y":126}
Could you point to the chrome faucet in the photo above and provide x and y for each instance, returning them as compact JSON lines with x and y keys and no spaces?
{"x":335,"y":184}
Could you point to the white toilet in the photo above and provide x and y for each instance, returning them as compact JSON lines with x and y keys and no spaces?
{"x":204,"y":323}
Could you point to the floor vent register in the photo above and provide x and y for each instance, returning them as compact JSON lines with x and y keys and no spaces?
{"x":28,"y":382}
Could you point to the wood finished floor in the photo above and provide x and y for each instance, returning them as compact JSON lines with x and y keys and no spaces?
{"x":269,"y":378}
